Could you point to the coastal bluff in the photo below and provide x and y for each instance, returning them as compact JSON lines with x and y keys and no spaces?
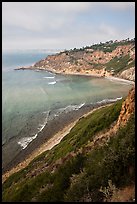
{"x":94,"y":162}
{"x":112,"y":58}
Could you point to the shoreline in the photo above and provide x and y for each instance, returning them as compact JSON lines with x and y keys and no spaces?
{"x":106,"y":77}
{"x":57,"y":129}
{"x":49,"y":144}
{"x":119,"y":79}
{"x":113,"y":78}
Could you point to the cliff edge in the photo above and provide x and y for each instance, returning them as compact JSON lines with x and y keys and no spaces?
{"x":83,"y":167}
{"x":112,"y":58}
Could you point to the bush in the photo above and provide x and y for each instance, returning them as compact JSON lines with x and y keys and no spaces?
{"x":81,"y":175}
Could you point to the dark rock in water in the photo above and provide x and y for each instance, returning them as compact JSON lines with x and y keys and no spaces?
{"x":52,"y":127}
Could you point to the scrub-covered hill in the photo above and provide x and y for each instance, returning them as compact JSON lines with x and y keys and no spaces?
{"x":94,"y":162}
{"x":112,"y":58}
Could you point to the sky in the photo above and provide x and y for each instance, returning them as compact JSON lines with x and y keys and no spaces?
{"x":65,"y":25}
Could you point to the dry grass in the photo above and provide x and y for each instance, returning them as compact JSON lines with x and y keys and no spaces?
{"x":126,"y":194}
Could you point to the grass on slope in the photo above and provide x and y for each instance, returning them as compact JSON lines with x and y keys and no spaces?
{"x":118,"y":64}
{"x":52,"y":187}
{"x":109,"y":47}
{"x":85,"y":130}
{"x":113,"y":162}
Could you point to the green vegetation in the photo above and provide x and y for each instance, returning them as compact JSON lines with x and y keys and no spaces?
{"x":98,"y":66}
{"x":115,"y":65}
{"x":84,"y":130}
{"x":131,"y":64}
{"x":118,"y":64}
{"x":80,"y":174}
{"x":110,"y":162}
{"x":108,"y":46}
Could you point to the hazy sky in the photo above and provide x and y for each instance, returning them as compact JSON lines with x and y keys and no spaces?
{"x":64,"y":25}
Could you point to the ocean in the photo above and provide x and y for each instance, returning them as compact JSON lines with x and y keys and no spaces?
{"x":32,"y":98}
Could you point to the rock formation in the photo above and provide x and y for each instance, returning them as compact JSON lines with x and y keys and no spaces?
{"x":105,"y":59}
{"x":128,"y":107}
{"x":128,"y":74}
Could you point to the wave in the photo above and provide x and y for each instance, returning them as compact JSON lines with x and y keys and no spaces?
{"x":71,"y":107}
{"x":41,"y":128}
{"x":75,"y":107}
{"x":81,"y":105}
{"x":26,"y":140}
{"x":53,"y":82}
{"x":52,"y":77}
{"x":109,"y":100}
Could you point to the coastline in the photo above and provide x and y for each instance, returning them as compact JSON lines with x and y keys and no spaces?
{"x":50,"y":143}
{"x":98,"y":76}
{"x":120,"y":79}
{"x":109,"y":77}
{"x":46,"y":141}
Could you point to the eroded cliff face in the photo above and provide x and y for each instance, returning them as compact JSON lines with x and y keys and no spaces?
{"x":128,"y":74}
{"x":104,"y":59}
{"x":128,"y":107}
{"x":51,"y":171}
{"x":100,"y":62}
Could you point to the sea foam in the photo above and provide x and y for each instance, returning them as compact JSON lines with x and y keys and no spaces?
{"x":71,"y":108}
{"x":26,"y":140}
{"x":109,"y":100}
{"x":23,"y":142}
{"x":52,"y":77}
{"x":53,"y":82}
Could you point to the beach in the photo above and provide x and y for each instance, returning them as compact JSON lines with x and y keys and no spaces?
{"x":57,"y":129}
{"x":51,"y":133}
{"x":82,"y":73}
{"x":119,"y":79}
{"x":43,"y":106}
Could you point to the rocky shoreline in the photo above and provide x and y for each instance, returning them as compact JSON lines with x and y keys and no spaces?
{"x":52,"y":127}
{"x":64,"y":122}
{"x":49,"y":137}
{"x":101,"y":60}
{"x":92,"y":74}
{"x":86,"y":62}
{"x":58,"y":128}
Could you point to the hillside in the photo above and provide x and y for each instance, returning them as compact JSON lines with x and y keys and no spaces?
{"x":112,"y":58}
{"x":94,"y":162}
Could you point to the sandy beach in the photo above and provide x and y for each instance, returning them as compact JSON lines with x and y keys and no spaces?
{"x":119,"y":79}
{"x":49,"y":144}
{"x":112,"y":78}
{"x":54,"y":131}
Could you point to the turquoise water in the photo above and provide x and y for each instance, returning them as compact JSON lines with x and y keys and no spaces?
{"x":29,"y":96}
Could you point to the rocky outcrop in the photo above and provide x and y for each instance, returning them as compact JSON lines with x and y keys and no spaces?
{"x":51,"y":171}
{"x":128,"y":74}
{"x":128,"y":107}
{"x":100,"y":60}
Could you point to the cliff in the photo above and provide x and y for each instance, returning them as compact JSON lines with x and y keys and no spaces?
{"x":128,"y":108}
{"x":105,"y":59}
{"x":128,"y":74}
{"x":83,"y":167}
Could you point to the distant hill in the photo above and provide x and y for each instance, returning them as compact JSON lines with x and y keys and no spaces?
{"x":112,"y":58}
{"x":94,"y":162}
